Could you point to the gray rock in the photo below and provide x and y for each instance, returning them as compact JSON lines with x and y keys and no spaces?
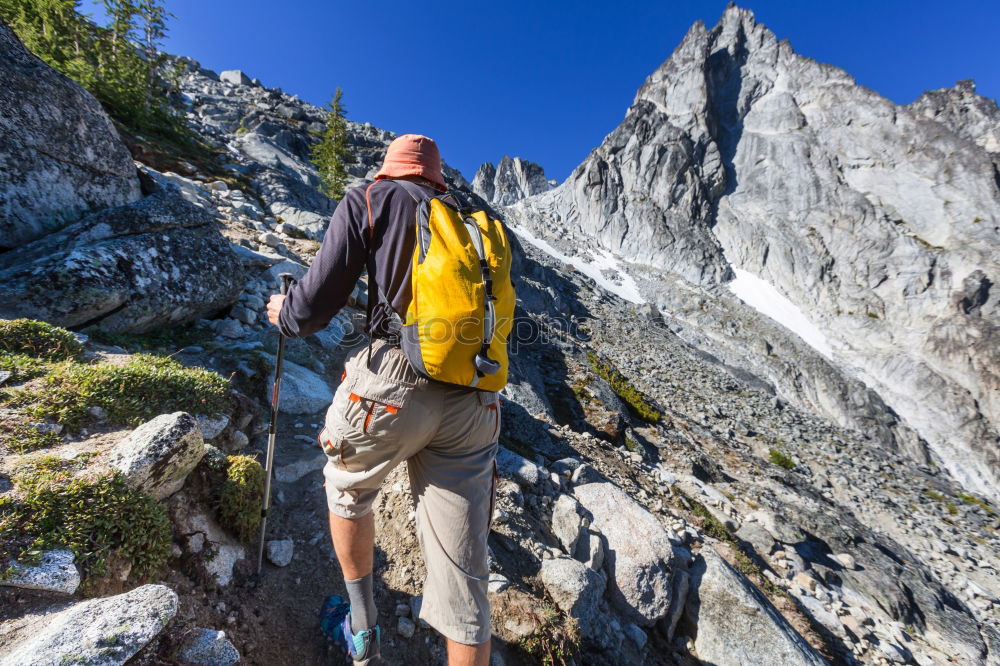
{"x":238,"y":440}
{"x":519,"y":469}
{"x":302,"y":390}
{"x":230,"y":328}
{"x":590,"y":550}
{"x":339,"y":327}
{"x":280,"y":551}
{"x":204,"y":535}
{"x":636,"y":634}
{"x":292,"y":472}
{"x":54,"y":572}
{"x":567,"y":523}
{"x":586,"y":474}
{"x":577,"y":591}
{"x":97,"y":632}
{"x":158,"y":262}
{"x":158,"y":455}
{"x":405,"y":627}
{"x":235,"y":77}
{"x":208,"y":647}
{"x":243,"y":315}
{"x":61,"y":153}
{"x":641,"y":570}
{"x":736,"y":623}
{"x":212,"y":426}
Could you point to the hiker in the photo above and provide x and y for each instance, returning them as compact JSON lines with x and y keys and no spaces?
{"x":411,"y":396}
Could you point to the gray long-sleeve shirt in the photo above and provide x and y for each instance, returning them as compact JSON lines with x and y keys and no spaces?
{"x":324,"y":289}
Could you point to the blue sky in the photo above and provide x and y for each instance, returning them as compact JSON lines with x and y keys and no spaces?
{"x":547,"y":81}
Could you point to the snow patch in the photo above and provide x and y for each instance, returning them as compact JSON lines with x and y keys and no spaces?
{"x":762,"y":296}
{"x":622,"y":284}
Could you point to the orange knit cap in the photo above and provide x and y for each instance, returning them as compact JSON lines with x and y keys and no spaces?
{"x":413,"y":155}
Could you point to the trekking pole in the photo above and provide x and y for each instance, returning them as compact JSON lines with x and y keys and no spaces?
{"x":272,"y":431}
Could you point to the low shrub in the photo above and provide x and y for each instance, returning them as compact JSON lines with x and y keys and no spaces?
{"x":240,"y":497}
{"x":780,"y":458}
{"x":23,"y":438}
{"x":130,"y":394}
{"x":96,"y":519}
{"x":37,"y":340}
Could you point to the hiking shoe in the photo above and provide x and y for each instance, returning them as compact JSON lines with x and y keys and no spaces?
{"x":363,"y":645}
{"x":331,"y":619}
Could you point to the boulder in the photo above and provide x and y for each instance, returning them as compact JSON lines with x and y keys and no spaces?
{"x":280,"y":551}
{"x":54,"y":572}
{"x":159,"y":454}
{"x":60,"y":152}
{"x":235,"y":77}
{"x":736,"y":623}
{"x":97,"y":632}
{"x":577,"y":591}
{"x":212,"y":426}
{"x":208,"y":647}
{"x":302,"y":390}
{"x":638,"y":555}
{"x":512,"y":466}
{"x":567,"y":523}
{"x":158,"y":262}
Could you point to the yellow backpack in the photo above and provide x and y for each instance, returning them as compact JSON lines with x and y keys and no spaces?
{"x":462,"y":303}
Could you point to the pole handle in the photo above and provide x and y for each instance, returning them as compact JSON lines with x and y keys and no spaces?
{"x":286,"y":282}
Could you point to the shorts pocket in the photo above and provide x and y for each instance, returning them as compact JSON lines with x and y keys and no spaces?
{"x":376,"y":405}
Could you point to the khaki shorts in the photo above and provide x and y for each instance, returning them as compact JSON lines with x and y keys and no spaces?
{"x":448,"y":436}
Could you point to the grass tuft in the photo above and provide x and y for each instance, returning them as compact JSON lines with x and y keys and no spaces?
{"x":780,"y":458}
{"x":637,"y":403}
{"x":557,"y":641}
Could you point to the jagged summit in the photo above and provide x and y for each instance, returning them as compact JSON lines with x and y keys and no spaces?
{"x":510,"y":181}
{"x":741,"y":160}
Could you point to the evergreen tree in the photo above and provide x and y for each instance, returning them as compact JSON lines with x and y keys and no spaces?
{"x":331,"y":154}
{"x":120,"y":63}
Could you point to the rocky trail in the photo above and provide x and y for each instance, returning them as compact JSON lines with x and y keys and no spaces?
{"x":708,"y":452}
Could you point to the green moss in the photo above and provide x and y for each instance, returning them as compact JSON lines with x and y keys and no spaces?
{"x":241,"y":496}
{"x":951,"y":508}
{"x":556,"y":642}
{"x":22,"y":438}
{"x":934,"y":495}
{"x":632,"y":445}
{"x":37,"y":340}
{"x":130,"y":394}
{"x":94,"y":518}
{"x":970,"y":499}
{"x":779,"y":458}
{"x":637,"y":403}
{"x":872,"y":315}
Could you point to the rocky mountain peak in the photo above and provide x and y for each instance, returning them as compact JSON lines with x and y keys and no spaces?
{"x":965,"y":112}
{"x":742,"y":160}
{"x":511,"y":180}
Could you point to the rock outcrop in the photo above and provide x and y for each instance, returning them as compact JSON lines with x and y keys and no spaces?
{"x":510,"y":181}
{"x":740,"y":157}
{"x":60,"y":152}
{"x":160,"y":261}
{"x":736,"y":624}
{"x":102,"y":632}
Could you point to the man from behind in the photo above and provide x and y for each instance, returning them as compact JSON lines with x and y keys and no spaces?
{"x":386,"y":412}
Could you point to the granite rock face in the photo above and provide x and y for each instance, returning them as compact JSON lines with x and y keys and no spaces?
{"x":736,"y":623}
{"x":880,"y":224}
{"x":510,"y":181}
{"x":101,"y":632}
{"x":60,"y":152}
{"x":965,"y":112}
{"x":640,"y":570}
{"x":160,"y":261}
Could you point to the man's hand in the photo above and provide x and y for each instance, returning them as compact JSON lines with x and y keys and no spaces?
{"x":274,"y":307}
